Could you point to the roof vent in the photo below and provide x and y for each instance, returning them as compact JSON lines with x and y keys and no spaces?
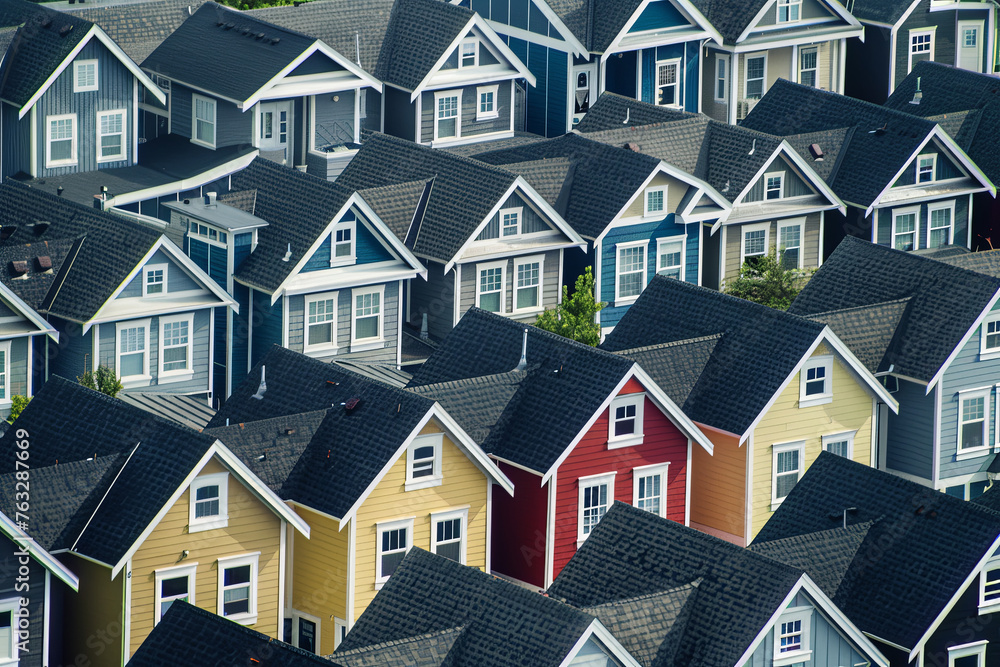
{"x":39,"y":227}
{"x":19,"y":267}
{"x":523,"y":363}
{"x":6,"y":232}
{"x":288,"y":254}
{"x":275,"y":40}
{"x":262,"y":387}
{"x":259,"y":35}
{"x":43,"y":262}
{"x":210,"y":198}
{"x":65,"y":30}
{"x":220,"y":23}
{"x":46,"y":22}
{"x":289,"y":431}
{"x":917,"y":96}
{"x":816,"y":152}
{"x":631,"y":146}
{"x":230,"y":26}
{"x":350,"y":404}
{"x":879,"y":131}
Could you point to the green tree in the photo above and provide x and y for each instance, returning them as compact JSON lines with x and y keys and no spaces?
{"x":103,"y":380}
{"x":17,"y":405}
{"x":576,"y":316}
{"x":767,"y":282}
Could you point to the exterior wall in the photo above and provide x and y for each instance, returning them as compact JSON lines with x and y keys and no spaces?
{"x":662,"y":443}
{"x":718,"y":488}
{"x":734,"y":243}
{"x":17,"y":372}
{"x":868,"y":66}
{"x":551,"y":287}
{"x":268,"y":323}
{"x":114,"y":92}
{"x":74,"y":354}
{"x":946,"y":167}
{"x":240,"y":343}
{"x":368,"y":248}
{"x":944,"y":26}
{"x":687,"y":53}
{"x":400,"y":113}
{"x":92,"y":617}
{"x":518,"y":549}
{"x":793,"y":184}
{"x":531,"y":221}
{"x":463,"y":485}
{"x":469,"y":100}
{"x":178,"y":279}
{"x":15,"y":142}
{"x":785,"y":422}
{"x":910,"y":434}
{"x":252,"y":527}
{"x":962,"y":625}
{"x":810,"y":9}
{"x":434,"y":296}
{"x":334,"y":121}
{"x":319,"y":573}
{"x":10,"y":576}
{"x":961,"y":225}
{"x":232,"y":126}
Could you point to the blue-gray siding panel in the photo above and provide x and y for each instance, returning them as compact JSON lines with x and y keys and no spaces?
{"x":241,"y":336}
{"x":909,"y":438}
{"x":334,"y":120}
{"x":266,"y":324}
{"x":17,"y":365}
{"x":960,"y":225}
{"x":15,"y":142}
{"x":390,"y":309}
{"x":530,"y":220}
{"x":74,"y":354}
{"x":232,"y":126}
{"x":829,"y":647}
{"x":178,"y":278}
{"x":469,"y":101}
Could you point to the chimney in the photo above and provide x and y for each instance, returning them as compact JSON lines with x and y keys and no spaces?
{"x":523,"y":364}
{"x":19,"y":267}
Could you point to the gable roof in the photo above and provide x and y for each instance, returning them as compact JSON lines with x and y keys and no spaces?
{"x":139,"y":27}
{"x":734,"y":18}
{"x":945,"y":304}
{"x":887,"y":12}
{"x":920,"y":552}
{"x":24,"y":543}
{"x":408,"y":55}
{"x":441,"y":647}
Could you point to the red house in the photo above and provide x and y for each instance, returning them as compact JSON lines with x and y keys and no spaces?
{"x":573,"y":427}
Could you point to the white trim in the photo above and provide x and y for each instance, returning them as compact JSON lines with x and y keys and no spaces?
{"x":916,"y":168}
{"x":296,"y":617}
{"x":540,"y":286}
{"x":942,"y":206}
{"x":977,"y":649}
{"x":760,"y":226}
{"x":435,"y":440}
{"x":124,"y":133}
{"x":495,"y":111}
{"x":590,"y":482}
{"x":746,"y":78}
{"x":5,"y":385}
{"x":147,"y":269}
{"x":660,"y":469}
{"x":187,"y":571}
{"x":781,"y":448}
{"x":780,"y":175}
{"x":338,"y":623}
{"x":662,"y":212}
{"x":187,"y":372}
{"x":491,"y":266}
{"x":74,"y":141}
{"x":965,"y":339}
{"x":195,"y":98}
{"x":77,"y":68}
{"x":144,"y":377}
{"x":643,"y":270}
{"x":916,"y":32}
{"x":724,"y":58}
{"x":844,"y":436}
{"x":26,"y":543}
{"x":678,"y":88}
{"x":808,"y":400}
{"x":436,"y":119}
{"x":605,"y":639}
{"x":323,"y":349}
{"x":220,"y":520}
{"x":624,"y":401}
{"x":803,"y":616}
{"x":785,"y":224}
{"x":963,"y":453}
{"x":669,"y":241}
{"x":462,"y":514}
{"x":898,"y":213}
{"x":993,"y":605}
{"x":351,"y":257}
{"x":989,"y":352}
{"x":369,"y":343}
{"x":228,"y":562}
{"x":383,"y":527}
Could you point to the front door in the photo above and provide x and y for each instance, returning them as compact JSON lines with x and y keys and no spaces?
{"x":970,"y":45}
{"x":274,"y":126}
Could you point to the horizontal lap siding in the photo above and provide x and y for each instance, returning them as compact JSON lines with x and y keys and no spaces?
{"x":463,"y":485}
{"x":468,"y":102}
{"x":17,"y":376}
{"x":961,"y":221}
{"x":910,"y":434}
{"x":810,"y":243}
{"x":252,"y":527}
{"x":390,"y":326}
{"x":551,"y":286}
{"x":518,"y":544}
{"x":12,"y":573}
{"x":319,"y":573}
{"x":334,"y":121}
{"x":662,"y":443}
{"x":718,"y":486}
{"x":93,"y":613}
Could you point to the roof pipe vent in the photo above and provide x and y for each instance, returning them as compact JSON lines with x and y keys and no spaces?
{"x":816,"y":152}
{"x":523,"y":364}
{"x":917,"y":96}
{"x":288,"y":254}
{"x":262,"y":387}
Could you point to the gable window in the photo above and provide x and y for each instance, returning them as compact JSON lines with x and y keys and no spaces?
{"x":921,"y":46}
{"x":321,"y":322}
{"x":173,"y":584}
{"x":756,"y":72}
{"x":756,"y":240}
{"x":8,"y":637}
{"x":655,"y":202}
{"x":631,"y":270}
{"x":238,"y":588}
{"x":774,"y":185}
{"x":816,"y":381}
{"x":625,"y":421}
{"x":84,"y":76}
{"x":790,"y":245}
{"x":395,"y":538}
{"x":721,"y":69}
{"x":808,"y":58}
{"x":423,"y":462}
{"x":448,"y":534}
{"x":154,"y":279}
{"x":209,"y":503}
{"x":446,"y":120}
{"x":939,"y":231}
{"x":60,"y":140}
{"x":510,"y":221}
{"x":787,"y":461}
{"x":989,"y":341}
{"x":670,"y":257}
{"x":791,"y":642}
{"x":469,"y":55}
{"x":989,"y":587}
{"x":132,"y":361}
{"x":111,"y":136}
{"x":4,"y":365}
{"x":176,"y":345}
{"x":366,"y":320}
{"x":973,"y":427}
{"x":203,"y":120}
{"x":968,"y":655}
{"x":904,"y":229}
{"x":668,"y":83}
{"x":597,"y":492}
{"x":528,"y":283}
{"x":789,"y":10}
{"x":487,"y":107}
{"x":649,"y":489}
{"x":343,"y":251}
{"x":926,"y":168}
{"x":841,"y":444}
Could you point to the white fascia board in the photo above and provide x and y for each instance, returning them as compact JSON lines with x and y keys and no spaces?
{"x":389,"y":237}
{"x":814,"y":178}
{"x":472,"y":449}
{"x":902,"y":19}
{"x":597,"y":630}
{"x":47,"y":560}
{"x":846,"y":32}
{"x":28,"y":312}
{"x":859,"y":369}
{"x":766,"y":630}
{"x":962,"y":343}
{"x":190,"y":183}
{"x":843,"y":623}
{"x":756,"y":19}
{"x":199,"y":89}
{"x":692,"y":14}
{"x":577,"y":46}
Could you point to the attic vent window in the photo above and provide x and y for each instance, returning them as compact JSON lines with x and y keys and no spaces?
{"x":19,"y":267}
{"x":44,"y":263}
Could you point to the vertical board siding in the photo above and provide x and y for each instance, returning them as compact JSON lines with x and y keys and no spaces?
{"x":463,"y":484}
{"x":715,"y":110}
{"x":15,"y":142}
{"x":850,"y":410}
{"x":241,"y":335}
{"x":518,"y":544}
{"x":718,"y":487}
{"x":252,"y":527}
{"x":556,"y":95}
{"x":368,"y":248}
{"x":9,"y":566}
{"x":400,"y":113}
{"x":232,"y":126}
{"x":99,"y":601}
{"x":794,"y":185}
{"x":531,"y":221}
{"x":435,"y":297}
{"x":659,"y":14}
{"x":551,"y":287}
{"x":827,"y":643}
{"x":390,"y":326}
{"x":73,"y":354}
{"x":945,"y":167}
{"x":961,"y":222}
{"x":319,"y":573}
{"x":469,"y":102}
{"x":810,"y":243}
{"x":944,"y":35}
{"x":267,"y":324}
{"x":178,"y":278}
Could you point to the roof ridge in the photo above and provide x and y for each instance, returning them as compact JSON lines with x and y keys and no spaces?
{"x":478,"y":379}
{"x":852,"y":101}
{"x":673,"y":343}
{"x":448,"y":155}
{"x":912,"y":256}
{"x":695,"y":583}
{"x":403,"y":640}
{"x":812,"y":316}
{"x":253,"y":18}
{"x":261,"y":423}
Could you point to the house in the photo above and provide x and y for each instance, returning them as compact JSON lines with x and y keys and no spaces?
{"x":779,"y":199}
{"x":312,"y":265}
{"x":299,"y":104}
{"x":487,"y":237}
{"x":917,"y":194}
{"x":138,"y":28}
{"x":439,"y":612}
{"x":375,"y":470}
{"x":648,"y":50}
{"x":675,"y":596}
{"x":574,"y":428}
{"x":876,"y":543}
{"x":144,"y":512}
{"x":648,"y":223}
{"x":771,"y":391}
{"x":764,"y":41}
{"x":34,"y":583}
{"x":23,"y":333}
{"x":899,"y":34}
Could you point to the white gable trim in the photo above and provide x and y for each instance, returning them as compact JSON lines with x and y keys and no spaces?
{"x":836,"y":7}
{"x":962,"y":343}
{"x":47,"y":560}
{"x":597,"y":630}
{"x":696,"y":17}
{"x":784,"y":148}
{"x":28,"y":312}
{"x":578,"y":48}
{"x":756,"y":19}
{"x":175,"y":187}
{"x":862,"y":372}
{"x":495,"y":41}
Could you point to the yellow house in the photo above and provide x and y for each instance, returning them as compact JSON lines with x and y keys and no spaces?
{"x":376,"y":472}
{"x":771,"y":391}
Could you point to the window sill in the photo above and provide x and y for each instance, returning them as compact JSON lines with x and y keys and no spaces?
{"x":989,"y":354}
{"x":973,"y":453}
{"x":61,"y":163}
{"x":489,"y":117}
{"x":775,"y":504}
{"x":631,"y":441}
{"x":133,"y":381}
{"x":991,"y":608}
{"x":627,"y":301}
{"x":242,"y":619}
{"x":111,"y":158}
{"x":203,"y":144}
{"x":369,"y":345}
{"x":527,"y":311}
{"x":320,"y":351}
{"x":418,"y":484}
{"x":792,"y":658}
{"x":379,"y":583}
{"x":207,"y":525}
{"x":343,"y":261}
{"x":811,"y":402}
{"x":167,"y":377}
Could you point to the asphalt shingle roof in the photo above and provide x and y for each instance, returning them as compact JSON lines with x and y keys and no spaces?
{"x":612,"y":111}
{"x":944,"y":301}
{"x":139,"y":27}
{"x":880,"y":11}
{"x":867,"y":330}
{"x":916,"y":556}
{"x":433,"y":649}
{"x":408,"y":54}
{"x":729,"y":17}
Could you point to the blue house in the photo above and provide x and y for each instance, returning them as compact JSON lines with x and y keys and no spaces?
{"x":931,"y":330}
{"x":648,"y":223}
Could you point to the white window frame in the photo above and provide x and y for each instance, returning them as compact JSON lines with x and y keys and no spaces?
{"x":121,"y":155}
{"x":661,"y":243}
{"x":485,"y":266}
{"x":722,"y":76}
{"x":80,"y":65}
{"x":492,"y":113}
{"x":644,"y":244}
{"x":639,"y":472}
{"x":589,"y":482}
{"x":815,"y":70}
{"x":518,"y":212}
{"x":244,"y":618}
{"x":12,"y":605}
{"x":451,"y":515}
{"x":132,"y":380}
{"x":358,"y":345}
{"x":780,"y":448}
{"x":435,"y":440}
{"x":382,"y":527}
{"x":841,"y":437}
{"x":804,"y":616}
{"x":339,"y":628}
{"x":214,"y":122}
{"x":941,"y":206}
{"x":148,"y":269}
{"x":746,"y":69}
{"x":297,"y":617}
{"x":910,"y":52}
{"x":220,"y":479}
{"x":785,"y":224}
{"x":766,"y":227}
{"x":74,"y":142}
{"x":184,"y":373}
{"x":989,"y":606}
{"x":188,"y":571}
{"x":977,"y":649}
{"x":984,"y":351}
{"x":973,"y":452}
{"x":321,"y":347}
{"x":5,"y":395}
{"x":807,"y":401}
{"x":789,"y":5}
{"x":780,"y":175}
{"x":352,"y":257}
{"x":458,"y":117}
{"x":678,"y":88}
{"x":461,"y":51}
{"x":646,"y":212}
{"x":900,"y":212}
{"x":632,"y":439}
{"x":917,"y":168}
{"x":522,"y":261}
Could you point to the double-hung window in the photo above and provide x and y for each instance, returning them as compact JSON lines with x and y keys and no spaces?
{"x":972,"y":654}
{"x":85,"y":76}
{"x":921,"y":46}
{"x":668,"y":83}
{"x":447,"y":124}
{"x":940,"y":224}
{"x":756,"y":72}
{"x":238,"y":588}
{"x":366,"y":319}
{"x":789,"y":10}
{"x":816,"y":381}
{"x":808,"y":59}
{"x":989,"y":587}
{"x":208,"y":507}
{"x":721,"y":80}
{"x":904,"y":228}
{"x":510,"y":221}
{"x":395,"y":538}
{"x":841,"y":444}
{"x":655,"y":202}
{"x":469,"y":53}
{"x":8,"y":636}
{"x":321,"y":322}
{"x":423,"y":462}
{"x":597,"y":492}
{"x":490,"y":292}
{"x":625,"y":420}
{"x":791,"y":641}
{"x":154,"y":279}
{"x":927,"y":168}
{"x":203,"y":120}
{"x":790,"y":244}
{"x":132,"y":360}
{"x":756,"y":240}
{"x":111,"y":136}
{"x":670,"y":257}
{"x":60,"y":140}
{"x":528,"y":283}
{"x":343,"y":250}
{"x":788,"y":464}
{"x":774,"y":185}
{"x":448,"y":534}
{"x":631,"y":270}
{"x":989,"y":342}
{"x":973,"y":421}
{"x":173,"y":584}
{"x":176,"y":345}
{"x":486,"y":107}
{"x":4,"y":371}
{"x":649,"y":489}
